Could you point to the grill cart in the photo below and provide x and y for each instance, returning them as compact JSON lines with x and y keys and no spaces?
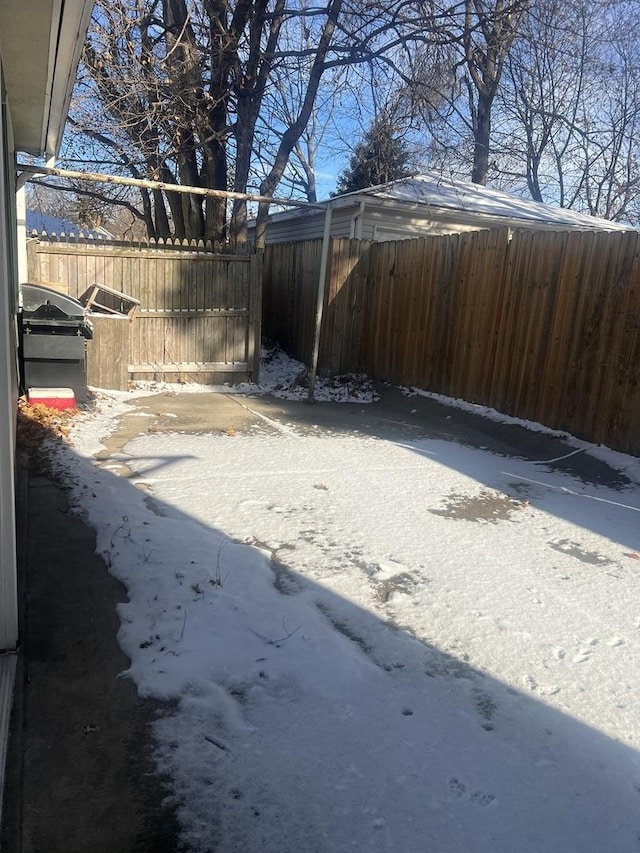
{"x":54,"y":329}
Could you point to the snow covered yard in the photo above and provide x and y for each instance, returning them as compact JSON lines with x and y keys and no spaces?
{"x":375,"y":644}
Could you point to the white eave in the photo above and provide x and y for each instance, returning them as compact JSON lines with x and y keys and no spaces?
{"x":40,"y":46}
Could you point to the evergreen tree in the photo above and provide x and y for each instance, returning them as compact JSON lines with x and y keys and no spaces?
{"x":380,"y":157}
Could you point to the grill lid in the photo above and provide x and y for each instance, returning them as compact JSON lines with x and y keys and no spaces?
{"x":44,"y":302}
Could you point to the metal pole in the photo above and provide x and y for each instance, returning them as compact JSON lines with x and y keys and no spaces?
{"x":120,"y":180}
{"x":322,"y":286}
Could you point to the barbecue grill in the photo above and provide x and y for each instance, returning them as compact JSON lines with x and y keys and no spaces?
{"x":54,"y":333}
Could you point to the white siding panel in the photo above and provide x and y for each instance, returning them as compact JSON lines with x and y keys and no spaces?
{"x":341,"y":222}
{"x":382,"y":223}
{"x":390,"y":219}
{"x":8,"y":664}
{"x":8,"y":390}
{"x":295,"y":226}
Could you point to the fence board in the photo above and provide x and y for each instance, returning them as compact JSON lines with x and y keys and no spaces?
{"x":108,"y":353}
{"x":492,"y":296}
{"x":547,"y":250}
{"x":327,"y":347}
{"x":445,"y":326}
{"x":359,"y":264}
{"x":404,"y":273}
{"x":432,"y":260}
{"x":590,"y":349}
{"x":522,"y":285}
{"x":582,"y":292}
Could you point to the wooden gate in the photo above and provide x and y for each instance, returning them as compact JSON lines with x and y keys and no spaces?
{"x":200,"y":306}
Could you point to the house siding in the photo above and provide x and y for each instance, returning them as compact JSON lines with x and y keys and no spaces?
{"x":8,"y":383}
{"x":301,"y":226}
{"x":310,"y":225}
{"x":377,"y":223}
{"x":389,"y":223}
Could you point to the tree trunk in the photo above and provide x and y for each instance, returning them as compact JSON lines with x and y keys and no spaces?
{"x":295,"y":131}
{"x":482,"y":140}
{"x":161,"y":220}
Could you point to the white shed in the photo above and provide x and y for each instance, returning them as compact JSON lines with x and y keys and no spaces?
{"x":427,"y":204}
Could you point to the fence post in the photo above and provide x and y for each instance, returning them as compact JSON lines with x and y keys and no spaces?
{"x":254,"y":326}
{"x":322,"y":284}
{"x":32,"y":259}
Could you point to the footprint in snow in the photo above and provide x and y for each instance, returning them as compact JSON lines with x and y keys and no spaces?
{"x":585,"y":650}
{"x":457,"y":788}
{"x":482,"y":800}
{"x":477,"y":798}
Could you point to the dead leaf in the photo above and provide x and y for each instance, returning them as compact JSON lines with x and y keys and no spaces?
{"x":37,"y":422}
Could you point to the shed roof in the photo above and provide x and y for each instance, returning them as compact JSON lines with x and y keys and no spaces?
{"x":436,"y":193}
{"x":434,"y":190}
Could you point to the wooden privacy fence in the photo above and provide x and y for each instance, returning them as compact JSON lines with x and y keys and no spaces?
{"x":540,"y":325}
{"x":200,"y":307}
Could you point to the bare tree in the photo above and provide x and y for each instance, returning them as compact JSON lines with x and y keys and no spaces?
{"x":454,"y":80}
{"x":571,"y":108}
{"x":487,"y":37}
{"x":299,"y":178}
{"x":200,"y":93}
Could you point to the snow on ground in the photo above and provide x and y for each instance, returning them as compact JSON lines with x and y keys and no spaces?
{"x":373,"y":645}
{"x":283,"y":377}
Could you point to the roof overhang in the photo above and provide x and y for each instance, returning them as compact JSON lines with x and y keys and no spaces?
{"x":524,"y":215}
{"x":40,"y":46}
{"x":553,"y":219}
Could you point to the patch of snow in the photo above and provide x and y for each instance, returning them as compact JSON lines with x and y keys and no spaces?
{"x":287,"y":378}
{"x":372,"y":645}
{"x":280,"y":375}
{"x":437,"y":191}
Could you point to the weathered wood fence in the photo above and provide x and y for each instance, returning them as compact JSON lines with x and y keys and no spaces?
{"x":540,"y":325}
{"x":200,"y":306}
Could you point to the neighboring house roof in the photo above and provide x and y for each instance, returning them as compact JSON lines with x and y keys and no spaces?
{"x":40,"y":44}
{"x":39,"y":222}
{"x":432,"y":194}
{"x":434,"y":190}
